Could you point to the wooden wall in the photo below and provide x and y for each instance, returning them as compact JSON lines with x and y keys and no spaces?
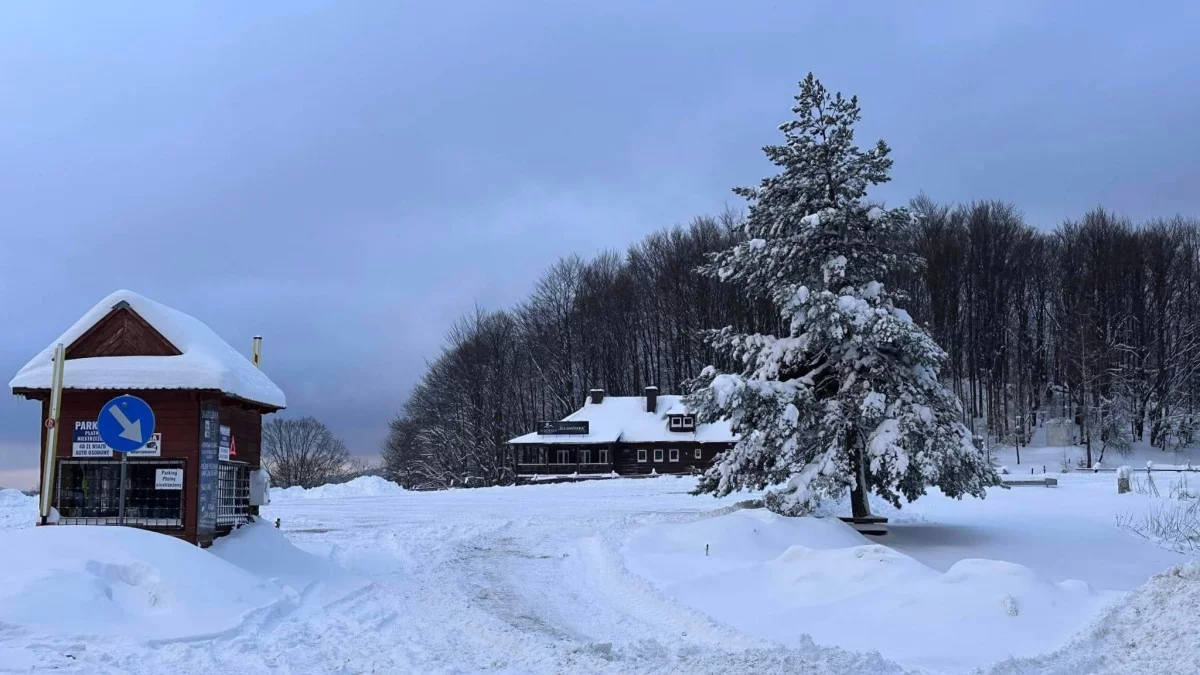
{"x":176,"y":417}
{"x":245,"y":423}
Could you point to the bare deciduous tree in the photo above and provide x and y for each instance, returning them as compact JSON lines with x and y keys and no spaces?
{"x":302,"y":452}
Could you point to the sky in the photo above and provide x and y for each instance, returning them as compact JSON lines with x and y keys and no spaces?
{"x":346,"y":179}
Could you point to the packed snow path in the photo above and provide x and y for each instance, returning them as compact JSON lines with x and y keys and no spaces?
{"x":500,"y":580}
{"x":538,"y":580}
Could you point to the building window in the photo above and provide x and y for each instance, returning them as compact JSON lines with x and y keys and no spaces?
{"x":699,"y":454}
{"x":682,"y":422}
{"x":564,"y":456}
{"x":532,"y":456}
{"x":674,"y":454}
{"x":641,"y":455}
{"x":604,"y":456}
{"x":233,"y":493}
{"x":658,"y":455}
{"x":585,"y":456}
{"x":89,"y":491}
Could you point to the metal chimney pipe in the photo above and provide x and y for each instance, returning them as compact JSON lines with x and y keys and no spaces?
{"x":256,"y":352}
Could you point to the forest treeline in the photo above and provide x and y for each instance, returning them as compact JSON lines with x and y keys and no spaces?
{"x":1097,"y":321}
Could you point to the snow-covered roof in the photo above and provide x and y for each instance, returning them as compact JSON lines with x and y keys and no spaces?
{"x":206,"y":361}
{"x":624,"y":419}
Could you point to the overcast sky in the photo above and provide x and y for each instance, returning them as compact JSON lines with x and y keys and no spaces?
{"x":348,"y":178}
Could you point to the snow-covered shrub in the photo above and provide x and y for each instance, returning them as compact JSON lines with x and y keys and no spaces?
{"x":1116,"y":432}
{"x":1173,"y":525}
{"x":1181,"y":489}
{"x":1144,"y":486}
{"x":1178,"y":432}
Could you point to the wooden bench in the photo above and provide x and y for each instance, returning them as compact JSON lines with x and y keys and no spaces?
{"x":876,"y":525}
{"x":1045,"y":482}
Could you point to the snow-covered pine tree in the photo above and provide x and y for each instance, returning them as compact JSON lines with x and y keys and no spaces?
{"x":849,"y":397}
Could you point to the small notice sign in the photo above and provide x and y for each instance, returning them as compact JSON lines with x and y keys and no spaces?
{"x":223,"y":446}
{"x":152,"y":448}
{"x":168,"y":479}
{"x":85,"y":441}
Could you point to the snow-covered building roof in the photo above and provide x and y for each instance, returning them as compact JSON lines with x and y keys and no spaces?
{"x":200,"y":360}
{"x":624,"y":419}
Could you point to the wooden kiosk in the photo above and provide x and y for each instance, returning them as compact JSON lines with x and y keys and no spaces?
{"x":208,"y":401}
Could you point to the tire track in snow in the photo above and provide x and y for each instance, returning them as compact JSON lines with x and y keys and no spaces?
{"x":458,"y":583}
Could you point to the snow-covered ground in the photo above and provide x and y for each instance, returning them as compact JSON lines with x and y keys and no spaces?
{"x":1038,"y":456}
{"x":607,"y":576}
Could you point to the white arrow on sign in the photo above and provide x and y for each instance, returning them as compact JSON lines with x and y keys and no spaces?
{"x":131,"y":430}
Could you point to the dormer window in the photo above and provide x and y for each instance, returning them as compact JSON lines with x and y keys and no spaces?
{"x":682,"y":422}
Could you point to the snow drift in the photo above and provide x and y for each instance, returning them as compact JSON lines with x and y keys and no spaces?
{"x":17,"y":509}
{"x":262,"y":550}
{"x":1151,"y":630}
{"x":782,"y":578}
{"x":363,"y":486}
{"x":122,"y":581}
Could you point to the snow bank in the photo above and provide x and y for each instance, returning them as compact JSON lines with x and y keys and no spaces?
{"x":781,"y":578}
{"x":15,"y":499}
{"x":17,"y":509}
{"x":122,"y":581}
{"x":262,"y":550}
{"x":1150,"y":631}
{"x":363,"y":486}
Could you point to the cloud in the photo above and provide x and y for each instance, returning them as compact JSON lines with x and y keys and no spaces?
{"x":348,"y":178}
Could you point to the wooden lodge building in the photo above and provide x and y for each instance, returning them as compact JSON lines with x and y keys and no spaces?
{"x":208,"y":401}
{"x":628,"y":435}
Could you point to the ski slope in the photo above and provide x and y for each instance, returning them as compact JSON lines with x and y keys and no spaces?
{"x":612,"y":576}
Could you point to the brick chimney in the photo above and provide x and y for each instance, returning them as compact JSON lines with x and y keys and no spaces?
{"x":597,"y":396}
{"x":651,"y":399}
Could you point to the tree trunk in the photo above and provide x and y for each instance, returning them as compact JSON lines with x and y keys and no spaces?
{"x":859,"y":504}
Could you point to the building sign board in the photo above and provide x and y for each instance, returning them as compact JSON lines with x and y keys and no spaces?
{"x":209,"y":465}
{"x":223,"y":446}
{"x":86,"y":442}
{"x":564,"y":428}
{"x":168,"y":479}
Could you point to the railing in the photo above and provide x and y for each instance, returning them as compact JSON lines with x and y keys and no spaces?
{"x":233,"y":494}
{"x":88,"y":492}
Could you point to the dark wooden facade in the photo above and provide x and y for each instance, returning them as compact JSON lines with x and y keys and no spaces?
{"x":626,"y":459}
{"x":122,"y":332}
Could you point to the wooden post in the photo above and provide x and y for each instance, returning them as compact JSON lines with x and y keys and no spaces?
{"x":1123,"y":474}
{"x":46,"y":501}
{"x":256,"y":352}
